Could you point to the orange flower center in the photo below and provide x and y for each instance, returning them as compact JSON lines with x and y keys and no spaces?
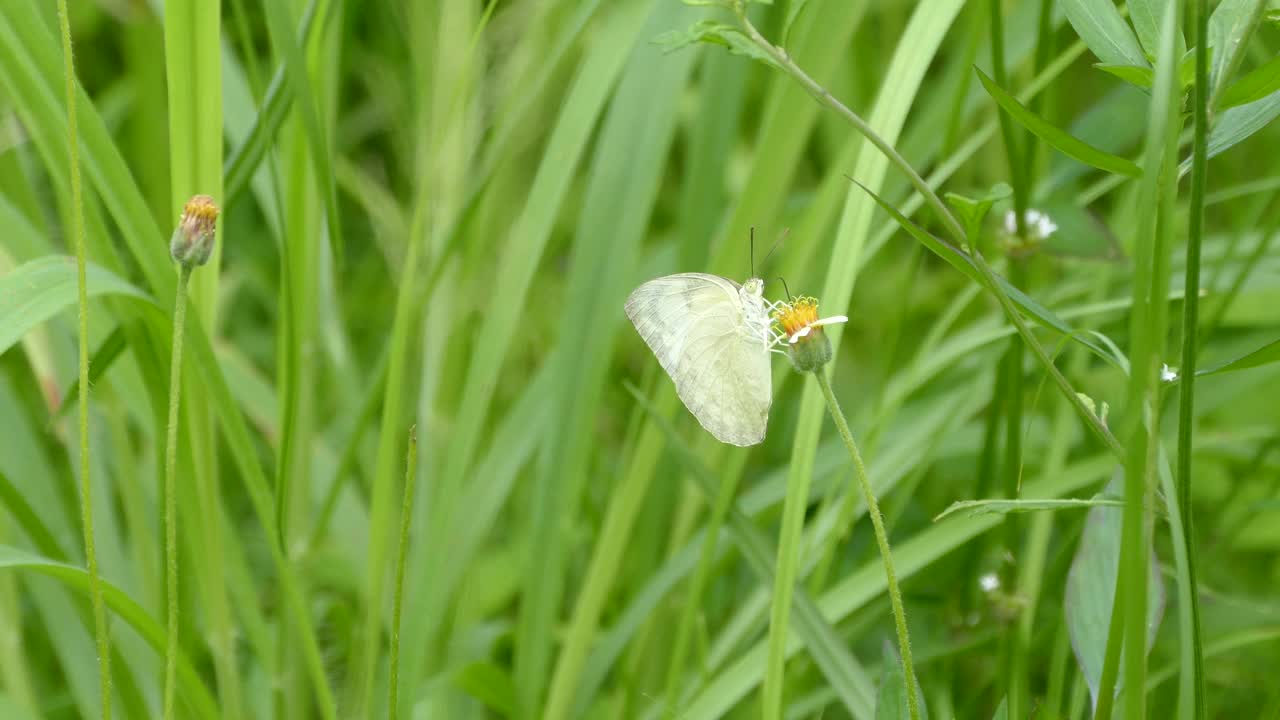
{"x":199,"y":216}
{"x":797,"y":315}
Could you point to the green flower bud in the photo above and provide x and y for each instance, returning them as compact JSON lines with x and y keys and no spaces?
{"x":192,"y":241}
{"x":807,"y":345}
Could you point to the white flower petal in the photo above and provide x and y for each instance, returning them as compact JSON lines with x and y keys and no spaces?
{"x":801,"y":333}
{"x":834,"y":319}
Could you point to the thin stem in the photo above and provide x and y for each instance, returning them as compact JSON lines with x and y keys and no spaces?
{"x":783,"y":59}
{"x":82,"y":287}
{"x":406,"y":514}
{"x":1190,"y":342}
{"x":170,"y":490}
{"x":877,"y":524}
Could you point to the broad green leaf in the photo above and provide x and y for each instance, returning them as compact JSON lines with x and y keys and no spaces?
{"x":1079,"y":232}
{"x":1264,"y":355}
{"x":490,"y":684}
{"x":1091,"y":585}
{"x":1259,"y":83}
{"x":1058,"y":138}
{"x":998,"y":506}
{"x":1104,"y":31}
{"x":38,"y":290}
{"x":1137,"y":75}
{"x":891,"y":698}
{"x":1230,"y":26}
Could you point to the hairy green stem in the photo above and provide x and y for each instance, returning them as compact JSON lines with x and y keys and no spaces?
{"x":784,"y":61}
{"x":406,"y":514}
{"x":171,"y":491}
{"x":882,"y":539}
{"x":82,"y":287}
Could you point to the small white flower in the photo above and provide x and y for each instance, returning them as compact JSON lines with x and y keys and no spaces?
{"x":1168,"y":374}
{"x":1039,"y":225}
{"x":989,"y":582}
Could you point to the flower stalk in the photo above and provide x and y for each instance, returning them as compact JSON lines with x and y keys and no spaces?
{"x":809,"y":350}
{"x":882,"y":540}
{"x":190,"y":247}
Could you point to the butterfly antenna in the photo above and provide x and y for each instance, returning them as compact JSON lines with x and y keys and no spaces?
{"x":752,"y":232}
{"x":776,"y":244}
{"x":785,"y":288}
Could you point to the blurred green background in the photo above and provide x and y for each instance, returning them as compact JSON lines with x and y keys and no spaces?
{"x":432,"y":213}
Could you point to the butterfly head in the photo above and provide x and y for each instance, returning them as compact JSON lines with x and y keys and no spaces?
{"x":753,"y":286}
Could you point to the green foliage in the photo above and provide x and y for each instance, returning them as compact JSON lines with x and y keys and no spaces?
{"x":433,"y":213}
{"x":1057,"y":138}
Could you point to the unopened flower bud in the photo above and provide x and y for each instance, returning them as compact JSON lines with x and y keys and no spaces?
{"x":192,"y":241}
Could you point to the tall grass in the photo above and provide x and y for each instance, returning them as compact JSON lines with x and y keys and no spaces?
{"x":432,"y":214}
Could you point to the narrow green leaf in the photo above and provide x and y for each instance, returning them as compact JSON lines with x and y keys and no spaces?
{"x":192,"y":689}
{"x":1145,"y":15}
{"x":102,"y":359}
{"x":1230,"y":26}
{"x":29,"y":520}
{"x":1237,"y":124}
{"x":973,"y":508}
{"x":831,"y":654}
{"x":962,"y":262}
{"x":1264,"y":355}
{"x":1059,"y":139}
{"x":281,"y":25}
{"x":244,"y":160}
{"x":38,"y":290}
{"x":1104,"y":31}
{"x":1002,"y":710}
{"x":1136,"y":75}
{"x":1259,"y":83}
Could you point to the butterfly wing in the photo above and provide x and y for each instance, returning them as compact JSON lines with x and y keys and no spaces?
{"x":693,"y":322}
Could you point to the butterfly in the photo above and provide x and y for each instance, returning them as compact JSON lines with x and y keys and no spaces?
{"x":713,"y":337}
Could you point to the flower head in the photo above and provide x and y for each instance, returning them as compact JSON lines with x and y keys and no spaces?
{"x":807,"y":345}
{"x":192,"y":241}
